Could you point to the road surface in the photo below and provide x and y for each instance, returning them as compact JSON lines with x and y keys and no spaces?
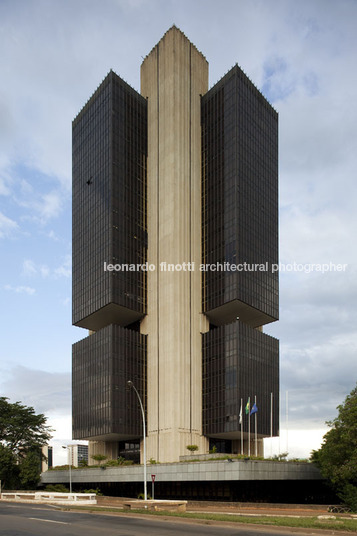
{"x":28,"y":520}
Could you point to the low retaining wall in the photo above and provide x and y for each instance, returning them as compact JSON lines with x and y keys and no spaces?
{"x":164,"y":505}
{"x":49,"y":497}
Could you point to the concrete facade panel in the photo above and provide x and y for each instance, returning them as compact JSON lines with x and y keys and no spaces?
{"x":240,"y":471}
{"x":173,"y":76}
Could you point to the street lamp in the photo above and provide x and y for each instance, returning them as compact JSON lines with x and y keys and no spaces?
{"x":130,"y":384}
{"x":70,"y":466}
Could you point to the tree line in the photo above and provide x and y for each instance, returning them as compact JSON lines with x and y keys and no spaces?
{"x":22,"y":436}
{"x":337,"y":457}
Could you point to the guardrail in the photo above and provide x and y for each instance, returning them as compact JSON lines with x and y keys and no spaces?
{"x":49,"y":497}
{"x":339,"y":509}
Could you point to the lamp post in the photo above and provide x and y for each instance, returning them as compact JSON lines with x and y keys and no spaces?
{"x":69,"y":466}
{"x":130,"y":384}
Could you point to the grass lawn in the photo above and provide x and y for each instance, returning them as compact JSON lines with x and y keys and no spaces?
{"x":338,"y":524}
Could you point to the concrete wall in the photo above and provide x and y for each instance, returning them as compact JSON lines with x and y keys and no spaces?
{"x":220,"y":470}
{"x":106,"y":448}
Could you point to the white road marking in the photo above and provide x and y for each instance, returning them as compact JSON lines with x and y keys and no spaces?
{"x":49,"y":520}
{"x":32,"y":507}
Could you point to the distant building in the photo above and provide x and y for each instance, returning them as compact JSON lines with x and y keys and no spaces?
{"x":79,"y":454}
{"x":175,"y":236}
{"x":47,"y":462}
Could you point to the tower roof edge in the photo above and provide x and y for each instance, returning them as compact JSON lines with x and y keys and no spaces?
{"x":172,"y":29}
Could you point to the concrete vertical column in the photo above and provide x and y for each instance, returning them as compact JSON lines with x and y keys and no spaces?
{"x":173,"y":76}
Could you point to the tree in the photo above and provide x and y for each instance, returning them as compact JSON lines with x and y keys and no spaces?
{"x":22,"y":434}
{"x":8,"y":468}
{"x":99,"y":458}
{"x":21,"y":429}
{"x":337,"y":457}
{"x":30,"y":470}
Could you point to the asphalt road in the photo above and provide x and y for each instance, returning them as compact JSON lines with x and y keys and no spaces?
{"x":28,"y":520}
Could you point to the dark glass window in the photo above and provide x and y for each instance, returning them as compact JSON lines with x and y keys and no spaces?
{"x":240,"y":201}
{"x":239,"y":362}
{"x":109,"y":206}
{"x":103,"y":407}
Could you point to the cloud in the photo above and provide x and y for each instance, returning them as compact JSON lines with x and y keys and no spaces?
{"x":61,"y":435}
{"x":297,"y":442}
{"x":52,"y":81}
{"x":4,"y":179}
{"x":46,"y":392}
{"x":30,"y":268}
{"x":318,"y":343}
{"x":44,"y":270}
{"x":21,"y":289}
{"x":316,"y":307}
{"x":41,"y":207}
{"x":316,"y":237}
{"x":278,"y":82}
{"x":308,"y":74}
{"x":52,"y":235}
{"x":51,"y":204}
{"x":65,"y":269}
{"x":7,"y":226}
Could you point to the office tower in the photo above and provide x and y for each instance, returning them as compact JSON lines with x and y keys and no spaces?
{"x":78,"y":455}
{"x":172,"y":190}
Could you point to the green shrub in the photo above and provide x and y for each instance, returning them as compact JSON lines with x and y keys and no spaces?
{"x":96,"y":491}
{"x":142,"y":496}
{"x":58,"y":488}
{"x":112,"y":463}
{"x":99,"y":458}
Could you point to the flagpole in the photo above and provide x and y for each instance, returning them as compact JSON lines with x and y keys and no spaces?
{"x":271,"y":425}
{"x":287,"y":421}
{"x":241,"y":427}
{"x":255,"y":422}
{"x":280,"y":419}
{"x":249,"y":427}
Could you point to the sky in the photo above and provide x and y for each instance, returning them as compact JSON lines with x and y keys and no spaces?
{"x":302,"y":56}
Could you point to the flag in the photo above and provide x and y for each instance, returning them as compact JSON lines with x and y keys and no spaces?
{"x":254,"y":409}
{"x":247,"y":407}
{"x":240,"y":414}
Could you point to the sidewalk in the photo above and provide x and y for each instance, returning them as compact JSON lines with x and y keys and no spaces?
{"x":249,"y":509}
{"x":259,"y":509}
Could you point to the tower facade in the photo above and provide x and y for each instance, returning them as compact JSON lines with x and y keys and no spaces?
{"x":171,"y":189}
